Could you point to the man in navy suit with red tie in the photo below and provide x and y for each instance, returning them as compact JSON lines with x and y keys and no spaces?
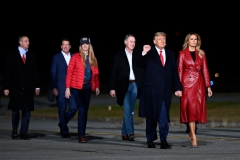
{"x":159,"y":77}
{"x":58,"y":74}
{"x":21,"y":79}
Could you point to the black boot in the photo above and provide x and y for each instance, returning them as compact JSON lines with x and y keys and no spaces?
{"x":14,"y":135}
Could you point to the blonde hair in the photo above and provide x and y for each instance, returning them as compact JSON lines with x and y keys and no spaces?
{"x":92,"y":58}
{"x":199,"y":42}
{"x":159,"y":34}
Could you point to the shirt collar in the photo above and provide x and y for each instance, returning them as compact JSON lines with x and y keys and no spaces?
{"x":129,"y":53}
{"x":65,"y":53}
{"x":21,"y":50}
{"x":158,"y":50}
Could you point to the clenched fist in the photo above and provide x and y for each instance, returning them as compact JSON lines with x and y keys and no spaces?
{"x":146,"y":48}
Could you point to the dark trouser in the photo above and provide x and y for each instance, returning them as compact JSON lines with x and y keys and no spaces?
{"x":82,"y":98}
{"x":151,"y":126}
{"x":26,"y":114}
{"x":65,"y":117}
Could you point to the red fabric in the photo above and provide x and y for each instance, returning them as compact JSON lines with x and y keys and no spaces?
{"x":24,"y":59}
{"x":194,"y":78}
{"x":161,"y":57}
{"x":75,"y":73}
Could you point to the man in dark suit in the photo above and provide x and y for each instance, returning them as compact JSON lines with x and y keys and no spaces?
{"x":160,"y":72}
{"x":21,"y":79}
{"x":125,"y":83}
{"x":58,"y":74}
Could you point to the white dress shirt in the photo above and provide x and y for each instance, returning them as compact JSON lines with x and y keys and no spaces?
{"x":22,"y":51}
{"x":67,"y":57}
{"x":129,"y":57}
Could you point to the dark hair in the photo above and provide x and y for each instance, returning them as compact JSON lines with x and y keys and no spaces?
{"x":20,"y":37}
{"x":65,"y":39}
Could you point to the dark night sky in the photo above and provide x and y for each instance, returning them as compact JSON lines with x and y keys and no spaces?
{"x":107,"y":25}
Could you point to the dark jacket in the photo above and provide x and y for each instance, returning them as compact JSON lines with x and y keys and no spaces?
{"x":158,"y":83}
{"x":21,"y":79}
{"x":119,"y":77}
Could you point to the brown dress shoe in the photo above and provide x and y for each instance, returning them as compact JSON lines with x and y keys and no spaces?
{"x":125,"y":137}
{"x":131,"y":137}
{"x":82,"y":139}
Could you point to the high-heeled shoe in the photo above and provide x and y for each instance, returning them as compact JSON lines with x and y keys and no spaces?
{"x":190,"y":137}
{"x":194,"y":143}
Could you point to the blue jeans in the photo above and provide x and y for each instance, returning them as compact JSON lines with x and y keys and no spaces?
{"x":128,"y":107}
{"x":82,"y":98}
{"x":65,"y":117}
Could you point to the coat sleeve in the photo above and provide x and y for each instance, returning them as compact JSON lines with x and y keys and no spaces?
{"x":180,"y":65}
{"x":53,"y":73}
{"x":96,"y":77}
{"x":70,"y":71}
{"x":141,"y":63}
{"x":206,"y":72}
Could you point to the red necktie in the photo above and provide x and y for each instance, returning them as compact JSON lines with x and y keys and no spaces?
{"x":161,"y":57}
{"x":24,"y":59}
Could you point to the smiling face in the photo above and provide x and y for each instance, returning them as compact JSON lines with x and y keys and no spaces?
{"x":65,"y":46}
{"x":85,"y":47}
{"x":130,"y":43}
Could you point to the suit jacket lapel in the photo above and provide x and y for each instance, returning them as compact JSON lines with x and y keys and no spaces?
{"x":63,"y":59}
{"x":190,"y":59}
{"x":20,"y":57}
{"x":156,"y":56}
{"x":198,"y":60}
{"x":124,"y":57}
{"x":167,"y":57}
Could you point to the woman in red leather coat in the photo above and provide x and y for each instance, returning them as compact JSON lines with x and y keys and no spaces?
{"x":195,"y":79}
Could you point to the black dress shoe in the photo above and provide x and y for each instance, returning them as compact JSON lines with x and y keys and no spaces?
{"x":165,"y":145}
{"x":131,"y":137}
{"x":82,"y":139}
{"x":14,"y":135}
{"x":66,"y":136}
{"x":24,"y":137}
{"x":125,"y":137}
{"x":151,"y":145}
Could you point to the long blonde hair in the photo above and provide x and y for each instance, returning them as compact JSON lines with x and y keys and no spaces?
{"x":92,"y":58}
{"x":199,"y":42}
